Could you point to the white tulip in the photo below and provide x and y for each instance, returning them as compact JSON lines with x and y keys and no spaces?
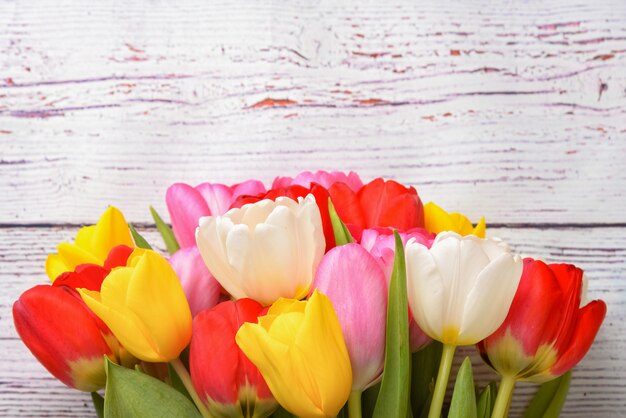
{"x":460,"y":290}
{"x":266,"y":250}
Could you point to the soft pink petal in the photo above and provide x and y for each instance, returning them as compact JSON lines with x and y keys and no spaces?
{"x":356,"y":286}
{"x":200,"y":287}
{"x":186,"y":206}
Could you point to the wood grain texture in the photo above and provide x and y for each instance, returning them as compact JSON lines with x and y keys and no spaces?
{"x":111,"y":103}
{"x":598,"y":386}
{"x":514,"y":111}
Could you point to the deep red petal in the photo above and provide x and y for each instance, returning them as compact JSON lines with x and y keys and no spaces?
{"x":588,"y":323}
{"x":118,"y":256}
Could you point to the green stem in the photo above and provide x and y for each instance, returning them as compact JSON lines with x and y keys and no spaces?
{"x":354,"y":404}
{"x":503,"y":400}
{"x":182,"y":372}
{"x":442,"y":381}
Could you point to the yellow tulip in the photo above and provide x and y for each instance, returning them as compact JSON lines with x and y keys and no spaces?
{"x":438,"y":220}
{"x":92,"y":244}
{"x":145,"y":307}
{"x":299,"y":349}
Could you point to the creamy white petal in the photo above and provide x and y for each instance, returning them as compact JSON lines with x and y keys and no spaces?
{"x":257,"y":213}
{"x":489,"y":301}
{"x":213,"y":252}
{"x":425,"y":289}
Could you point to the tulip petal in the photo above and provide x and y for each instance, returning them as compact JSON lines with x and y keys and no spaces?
{"x":588,"y":323}
{"x":425,"y":289}
{"x":200,"y":287}
{"x":110,"y":231}
{"x":73,"y":255}
{"x":186,"y":206}
{"x":55,"y":266}
{"x":489,"y":300}
{"x":212,"y":235}
{"x":274,"y":362}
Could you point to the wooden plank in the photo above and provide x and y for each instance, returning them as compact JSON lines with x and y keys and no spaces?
{"x":516,"y":112}
{"x":598,"y":386}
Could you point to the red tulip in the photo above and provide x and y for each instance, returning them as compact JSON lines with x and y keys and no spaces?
{"x":548,"y":330}
{"x":378,"y":203}
{"x":63,"y":333}
{"x":224,"y":378}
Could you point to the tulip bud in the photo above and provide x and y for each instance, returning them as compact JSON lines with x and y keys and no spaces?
{"x":300,"y":351}
{"x":460,"y":289}
{"x":145,"y":307}
{"x":547,"y":331}
{"x":264,"y":250}
{"x":92,"y":245}
{"x":356,"y":286}
{"x":226,"y":381}
{"x":438,"y":220}
{"x":63,"y":335}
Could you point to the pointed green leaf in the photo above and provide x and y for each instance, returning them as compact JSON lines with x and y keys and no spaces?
{"x":177,"y":383}
{"x":549,"y":399}
{"x":166,"y":232}
{"x":133,"y":394}
{"x":463,"y":404}
{"x":483,"y":405}
{"x":98,"y":404}
{"x":342,"y":234}
{"x":139,"y":240}
{"x":425,"y":364}
{"x":393,"y":398}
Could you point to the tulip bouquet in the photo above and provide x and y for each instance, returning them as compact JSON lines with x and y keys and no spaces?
{"x":319,"y":297}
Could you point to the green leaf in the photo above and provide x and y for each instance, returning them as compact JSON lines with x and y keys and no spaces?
{"x":139,"y":240}
{"x":166,"y":232}
{"x":98,"y":404}
{"x":484,"y":404}
{"x":493,"y":388}
{"x":393,"y":399}
{"x":549,"y":399}
{"x":177,"y":383}
{"x":133,"y":394}
{"x":463,"y":404}
{"x":342,"y":234}
{"x":425,"y":364}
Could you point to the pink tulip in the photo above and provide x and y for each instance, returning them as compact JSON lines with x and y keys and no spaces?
{"x":200,"y":287}
{"x":323,"y":178}
{"x":187,"y":204}
{"x":354,"y":282}
{"x":381,"y":244}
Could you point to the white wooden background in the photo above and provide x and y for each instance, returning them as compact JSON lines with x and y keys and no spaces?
{"x":514,"y":110}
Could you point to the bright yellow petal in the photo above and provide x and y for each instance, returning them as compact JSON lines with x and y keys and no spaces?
{"x":84,"y":238}
{"x":325,"y":355}
{"x":55,"y":266}
{"x":480,"y":229}
{"x":286,"y":305}
{"x":110,"y":231}
{"x":72,"y":255}
{"x":462,"y":225}
{"x":273,"y":360}
{"x":156,"y":296}
{"x":108,"y":305}
{"x":285,"y":327}
{"x":436,"y":219}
